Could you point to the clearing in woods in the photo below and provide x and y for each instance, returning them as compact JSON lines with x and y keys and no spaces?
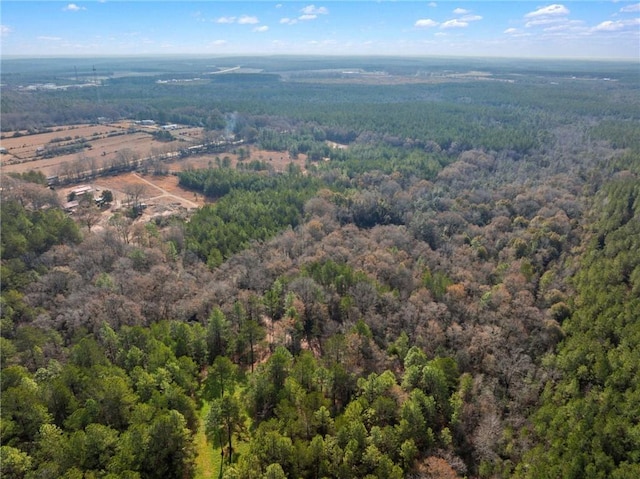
{"x":162,"y":193}
{"x":207,"y":463}
{"x":102,"y":144}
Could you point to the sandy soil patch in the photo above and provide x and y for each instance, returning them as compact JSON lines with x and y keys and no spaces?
{"x":157,"y":190}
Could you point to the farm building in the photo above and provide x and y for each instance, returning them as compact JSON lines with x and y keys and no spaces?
{"x":81,"y":190}
{"x":71,"y":206}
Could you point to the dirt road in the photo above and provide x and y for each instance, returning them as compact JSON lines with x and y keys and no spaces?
{"x":165,"y":193}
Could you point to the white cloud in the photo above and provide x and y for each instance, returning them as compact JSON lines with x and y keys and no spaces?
{"x":72,"y":7}
{"x":310,"y":12}
{"x":426,"y":23}
{"x":248,"y":20}
{"x":49,"y":39}
{"x":541,"y":21}
{"x":288,"y":21}
{"x":516,"y":33}
{"x":631,"y":8}
{"x":461,"y":11}
{"x":432,"y":4}
{"x":455,"y":23}
{"x":261,"y":29}
{"x":471,"y":18}
{"x":218,"y":43}
{"x":313,"y":10}
{"x":5,"y":30}
{"x":544,"y":21}
{"x":243,"y":20}
{"x":551,"y":10}
{"x":609,"y":26}
{"x":574,"y":26}
{"x":279,"y":5}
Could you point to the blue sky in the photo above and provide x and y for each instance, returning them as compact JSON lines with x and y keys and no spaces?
{"x":566,"y":29}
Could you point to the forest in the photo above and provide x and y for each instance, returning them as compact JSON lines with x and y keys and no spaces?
{"x":452,"y":292}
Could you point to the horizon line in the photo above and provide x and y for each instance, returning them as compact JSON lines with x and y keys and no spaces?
{"x":317,"y":55}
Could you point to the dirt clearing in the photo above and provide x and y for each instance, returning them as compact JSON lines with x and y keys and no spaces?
{"x":88,"y":146}
{"x":95,"y":147}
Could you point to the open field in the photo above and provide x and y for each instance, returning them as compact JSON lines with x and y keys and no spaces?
{"x":161,"y":193}
{"x":104,"y":145}
{"x":164,"y":190}
{"x":108,"y":144}
{"x":277,"y":159}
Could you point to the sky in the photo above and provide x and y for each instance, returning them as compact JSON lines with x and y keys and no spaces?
{"x":527,"y":29}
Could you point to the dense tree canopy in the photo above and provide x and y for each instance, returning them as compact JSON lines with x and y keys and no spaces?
{"x":588,"y":420}
{"x":450,"y":292}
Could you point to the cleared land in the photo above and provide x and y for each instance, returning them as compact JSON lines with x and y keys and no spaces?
{"x":103,"y":145}
{"x":109,"y":142}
